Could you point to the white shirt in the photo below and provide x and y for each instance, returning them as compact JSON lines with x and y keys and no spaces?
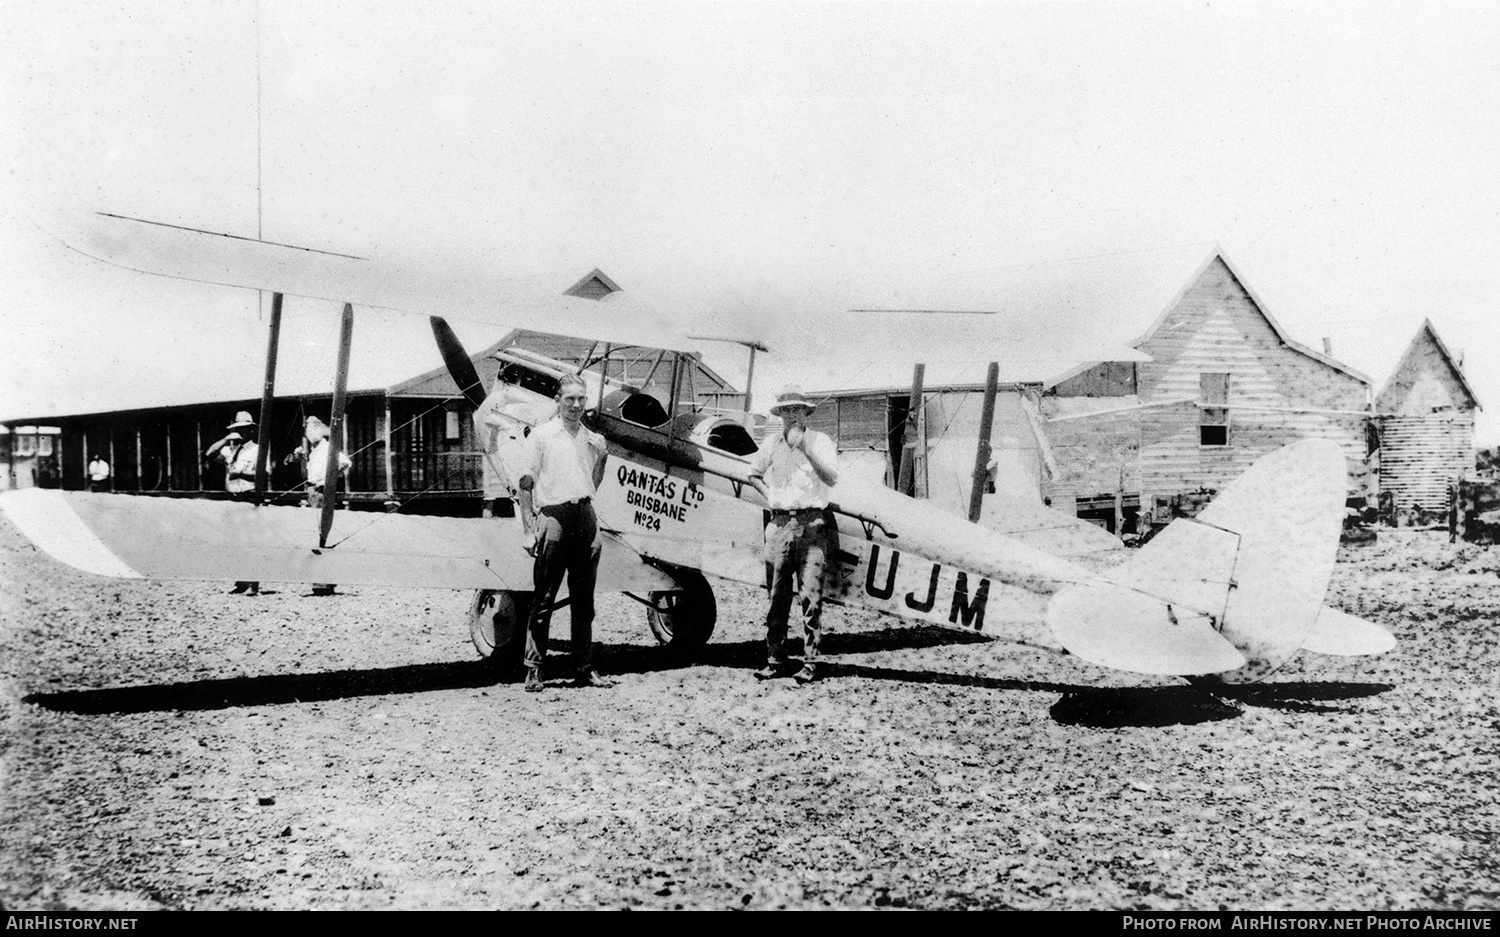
{"x":317,"y":464}
{"x":239,"y":463}
{"x":560,"y":465}
{"x":793,"y":482}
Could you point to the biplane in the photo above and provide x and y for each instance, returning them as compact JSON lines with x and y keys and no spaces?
{"x":1229,"y":595}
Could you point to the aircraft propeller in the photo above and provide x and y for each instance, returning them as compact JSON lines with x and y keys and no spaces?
{"x":457,"y":360}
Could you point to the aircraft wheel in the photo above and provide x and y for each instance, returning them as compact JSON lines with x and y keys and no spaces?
{"x":684,"y":620}
{"x":497,"y":626}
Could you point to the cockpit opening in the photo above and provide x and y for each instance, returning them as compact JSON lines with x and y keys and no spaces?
{"x":732,"y":438}
{"x":636,"y":407}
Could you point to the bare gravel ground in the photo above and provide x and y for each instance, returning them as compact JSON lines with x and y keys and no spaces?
{"x":167,"y":745}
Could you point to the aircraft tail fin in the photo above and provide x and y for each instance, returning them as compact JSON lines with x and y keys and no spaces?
{"x":1250,"y":570}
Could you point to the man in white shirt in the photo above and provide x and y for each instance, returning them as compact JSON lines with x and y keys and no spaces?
{"x":238,"y":451}
{"x":793,"y":471}
{"x":564,"y":463}
{"x":98,"y":474}
{"x":318,"y":448}
{"x":315,"y":442}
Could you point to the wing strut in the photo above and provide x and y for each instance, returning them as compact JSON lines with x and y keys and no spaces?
{"x":749,"y":380}
{"x":906,"y":472}
{"x":268,"y":392}
{"x":982,"y":451}
{"x":336,"y":426}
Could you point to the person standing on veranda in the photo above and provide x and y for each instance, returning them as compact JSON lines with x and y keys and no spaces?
{"x":98,"y":474}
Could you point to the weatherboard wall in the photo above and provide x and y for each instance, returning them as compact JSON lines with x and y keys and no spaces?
{"x":1276,"y":394}
{"x":1152,"y":443}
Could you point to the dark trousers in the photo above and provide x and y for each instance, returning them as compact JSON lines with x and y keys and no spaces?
{"x":567,"y":543}
{"x":799,"y":547}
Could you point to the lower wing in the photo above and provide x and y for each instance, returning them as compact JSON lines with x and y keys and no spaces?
{"x":126,"y":536}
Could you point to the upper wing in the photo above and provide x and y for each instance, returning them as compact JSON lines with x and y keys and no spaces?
{"x":207,"y":257}
{"x":162,"y":538}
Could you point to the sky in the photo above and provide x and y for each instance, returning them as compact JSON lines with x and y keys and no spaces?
{"x":750,"y":163}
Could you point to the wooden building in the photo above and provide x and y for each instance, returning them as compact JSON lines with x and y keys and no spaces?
{"x":1424,"y":421}
{"x":1225,"y":385}
{"x":29,"y":456}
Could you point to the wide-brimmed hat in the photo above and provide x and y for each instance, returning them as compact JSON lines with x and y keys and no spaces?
{"x":315,"y":429}
{"x":242,"y":420}
{"x":789,"y":397}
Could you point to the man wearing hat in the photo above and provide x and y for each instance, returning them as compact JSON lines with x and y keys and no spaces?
{"x":793,"y":471}
{"x":238,"y":451}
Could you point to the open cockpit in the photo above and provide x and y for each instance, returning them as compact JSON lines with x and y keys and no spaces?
{"x":628,"y":403}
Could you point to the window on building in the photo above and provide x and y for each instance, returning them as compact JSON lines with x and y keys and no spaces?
{"x":1213,"y":426}
{"x":1213,"y":409}
{"x":451,"y":429}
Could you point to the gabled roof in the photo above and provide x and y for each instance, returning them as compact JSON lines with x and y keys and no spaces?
{"x":1281,"y":333}
{"x":1428,"y":333}
{"x":1145,"y":297}
{"x":594,"y":285}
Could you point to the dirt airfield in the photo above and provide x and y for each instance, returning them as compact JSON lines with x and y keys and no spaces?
{"x":169,"y":745}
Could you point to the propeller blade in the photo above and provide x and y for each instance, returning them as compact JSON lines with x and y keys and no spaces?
{"x":457,"y":360}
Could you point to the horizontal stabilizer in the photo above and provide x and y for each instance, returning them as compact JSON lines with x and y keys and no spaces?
{"x":1157,"y":613}
{"x":1116,"y":626}
{"x":1341,"y":634}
